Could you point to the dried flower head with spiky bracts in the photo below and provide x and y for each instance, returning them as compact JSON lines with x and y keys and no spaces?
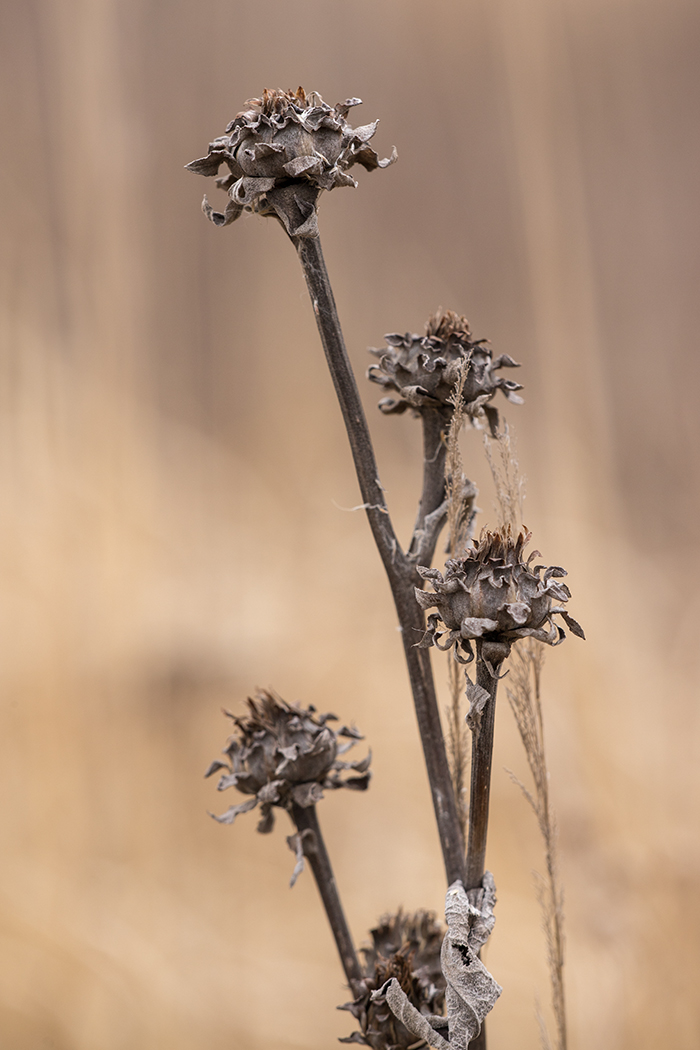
{"x":493,"y":596}
{"x":283,"y":755}
{"x":406,"y":947}
{"x":281,"y":151}
{"x":424,"y":370}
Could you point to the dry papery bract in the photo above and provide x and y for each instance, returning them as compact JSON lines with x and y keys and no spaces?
{"x":424,"y":370}
{"x":281,"y":151}
{"x":493,"y":596}
{"x":284,"y":755}
{"x":470,"y":990}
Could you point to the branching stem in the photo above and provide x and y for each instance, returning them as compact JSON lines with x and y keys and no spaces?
{"x":400,"y":569}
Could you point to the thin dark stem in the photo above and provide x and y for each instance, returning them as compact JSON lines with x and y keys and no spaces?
{"x":428,"y":717}
{"x":428,"y":523}
{"x":482,"y":752}
{"x":306,"y":823}
{"x":482,"y":755}
{"x":400,"y":570}
{"x":323,"y":302}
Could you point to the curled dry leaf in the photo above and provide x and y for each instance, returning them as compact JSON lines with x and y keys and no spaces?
{"x":477,"y":698}
{"x":296,"y":845}
{"x":413,"y":1020}
{"x":281,"y":152}
{"x":471,"y":992}
{"x":406,"y":949}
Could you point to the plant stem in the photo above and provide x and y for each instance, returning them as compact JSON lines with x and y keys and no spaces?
{"x":399,"y":569}
{"x":482,"y":752}
{"x":424,"y":538}
{"x":457,"y":737}
{"x":480,"y":1042}
{"x":306,"y":822}
{"x":323,"y":302}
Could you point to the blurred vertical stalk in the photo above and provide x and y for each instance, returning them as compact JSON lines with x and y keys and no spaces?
{"x":399,"y":568}
{"x":524,"y":696}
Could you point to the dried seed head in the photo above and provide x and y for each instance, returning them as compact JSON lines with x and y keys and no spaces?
{"x":494,"y":596}
{"x":281,"y":151}
{"x":423,"y":370}
{"x":406,"y":947}
{"x":282,"y":755}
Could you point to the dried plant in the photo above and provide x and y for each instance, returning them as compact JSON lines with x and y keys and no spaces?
{"x":286,"y":756}
{"x":406,"y":947}
{"x":524,"y":696}
{"x":492,"y":596}
{"x":282,"y":151}
{"x":424,"y":370}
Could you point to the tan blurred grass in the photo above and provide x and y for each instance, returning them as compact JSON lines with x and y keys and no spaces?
{"x":170,"y":456}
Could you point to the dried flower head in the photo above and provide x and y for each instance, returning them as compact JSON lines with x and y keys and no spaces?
{"x":494,"y":596}
{"x":282,"y":150}
{"x":423,"y":370}
{"x":406,"y":947}
{"x":282,"y":755}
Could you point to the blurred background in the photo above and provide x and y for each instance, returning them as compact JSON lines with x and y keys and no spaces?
{"x":172,"y":468}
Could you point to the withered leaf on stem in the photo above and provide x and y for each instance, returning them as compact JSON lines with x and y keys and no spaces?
{"x":478,"y":698}
{"x":406,"y":947}
{"x":296,"y":845}
{"x":471,"y":992}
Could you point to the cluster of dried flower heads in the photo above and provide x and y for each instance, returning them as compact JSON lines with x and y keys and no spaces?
{"x":420,"y":985}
